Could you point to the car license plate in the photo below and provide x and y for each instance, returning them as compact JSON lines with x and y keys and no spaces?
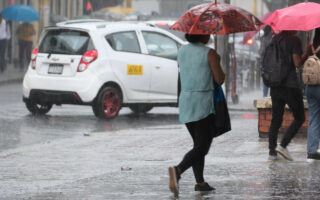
{"x":55,"y":69}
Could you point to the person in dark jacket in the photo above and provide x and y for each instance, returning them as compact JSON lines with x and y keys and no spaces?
{"x":288,"y":92}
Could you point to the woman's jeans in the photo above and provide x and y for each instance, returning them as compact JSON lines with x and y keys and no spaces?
{"x":313,"y":97}
{"x":202,"y":134}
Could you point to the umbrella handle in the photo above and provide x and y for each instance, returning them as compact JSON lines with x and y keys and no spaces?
{"x":215,"y":41}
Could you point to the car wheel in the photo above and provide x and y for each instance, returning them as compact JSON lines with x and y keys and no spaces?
{"x":140,"y":109}
{"x":109,"y":103}
{"x":38,"y":109}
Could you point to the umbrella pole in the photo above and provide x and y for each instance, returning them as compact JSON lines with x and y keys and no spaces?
{"x":234,"y":68}
{"x":215,"y":40}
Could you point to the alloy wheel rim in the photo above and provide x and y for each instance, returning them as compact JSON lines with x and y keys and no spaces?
{"x":111,"y":103}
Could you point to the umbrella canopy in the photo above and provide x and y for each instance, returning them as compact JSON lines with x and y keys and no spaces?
{"x":299,"y":17}
{"x":216,"y":18}
{"x":20,"y":13}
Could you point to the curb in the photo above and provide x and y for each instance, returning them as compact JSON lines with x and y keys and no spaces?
{"x":241,"y":109}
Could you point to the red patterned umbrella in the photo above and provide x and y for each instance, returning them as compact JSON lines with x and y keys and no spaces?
{"x":216,"y":18}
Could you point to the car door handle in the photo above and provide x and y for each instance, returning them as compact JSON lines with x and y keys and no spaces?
{"x":158,"y":67}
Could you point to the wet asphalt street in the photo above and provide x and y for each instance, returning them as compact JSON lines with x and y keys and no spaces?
{"x":70,"y":154}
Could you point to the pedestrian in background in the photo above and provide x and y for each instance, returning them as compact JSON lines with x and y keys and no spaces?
{"x":25,"y":32}
{"x":288,"y":92}
{"x":199,"y":66}
{"x":313,"y":98}
{"x":4,"y":36}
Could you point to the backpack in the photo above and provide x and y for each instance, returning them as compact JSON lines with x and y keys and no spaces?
{"x":273,"y":69}
{"x":311,"y":69}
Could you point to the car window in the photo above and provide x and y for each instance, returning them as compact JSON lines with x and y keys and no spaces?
{"x":124,"y":41}
{"x":66,"y":42}
{"x":161,"y":45}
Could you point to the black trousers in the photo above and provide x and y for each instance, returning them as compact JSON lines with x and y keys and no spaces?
{"x":202,"y":134}
{"x":25,"y":50}
{"x":281,"y":96}
{"x":3,"y":47}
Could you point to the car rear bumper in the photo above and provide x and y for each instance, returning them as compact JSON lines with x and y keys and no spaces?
{"x":54,"y":97}
{"x":76,"y":90}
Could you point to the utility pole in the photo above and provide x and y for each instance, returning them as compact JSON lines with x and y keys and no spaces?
{"x":255,"y":7}
{"x":223,"y":48}
{"x":43,"y":6}
{"x":127,"y":4}
{"x":258,"y":72}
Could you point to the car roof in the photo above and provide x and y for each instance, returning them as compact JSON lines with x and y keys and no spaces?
{"x":97,"y":25}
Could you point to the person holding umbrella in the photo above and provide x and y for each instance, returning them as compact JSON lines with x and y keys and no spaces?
{"x":199,"y":67}
{"x":299,"y":17}
{"x":25,"y":32}
{"x":4,"y":36}
{"x":288,"y":92}
{"x":313,"y":98}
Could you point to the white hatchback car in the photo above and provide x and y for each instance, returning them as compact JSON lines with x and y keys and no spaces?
{"x":105,"y":65}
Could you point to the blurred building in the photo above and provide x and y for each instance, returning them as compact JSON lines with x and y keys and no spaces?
{"x":146,"y":6}
{"x":51,"y":11}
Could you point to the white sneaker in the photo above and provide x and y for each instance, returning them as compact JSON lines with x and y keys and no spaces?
{"x":284,"y":152}
{"x":273,"y":158}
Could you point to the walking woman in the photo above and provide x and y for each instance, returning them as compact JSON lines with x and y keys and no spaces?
{"x":199,"y":66}
{"x":313,"y":98}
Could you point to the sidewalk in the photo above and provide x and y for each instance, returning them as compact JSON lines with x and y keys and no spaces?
{"x":11,"y":74}
{"x":246,"y":101}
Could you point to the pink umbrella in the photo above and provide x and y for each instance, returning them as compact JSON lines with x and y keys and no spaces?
{"x":299,"y":17}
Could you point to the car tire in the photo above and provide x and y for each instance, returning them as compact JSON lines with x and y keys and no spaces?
{"x":38,"y":109}
{"x":140,"y":109}
{"x":108,"y":103}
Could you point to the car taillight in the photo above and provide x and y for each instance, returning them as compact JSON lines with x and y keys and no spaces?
{"x":87,"y":58}
{"x":34,"y":58}
{"x":162,"y":24}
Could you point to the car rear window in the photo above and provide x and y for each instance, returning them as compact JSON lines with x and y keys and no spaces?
{"x":66,"y":42}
